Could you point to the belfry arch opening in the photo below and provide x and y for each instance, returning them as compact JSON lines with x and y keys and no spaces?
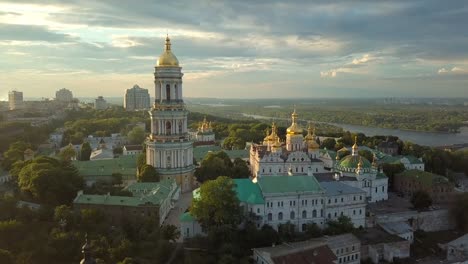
{"x":168,"y":92}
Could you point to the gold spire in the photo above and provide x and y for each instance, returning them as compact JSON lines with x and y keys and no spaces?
{"x":168,"y":43}
{"x":374,"y":161}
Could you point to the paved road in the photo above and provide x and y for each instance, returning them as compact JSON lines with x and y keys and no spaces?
{"x":184,"y":202}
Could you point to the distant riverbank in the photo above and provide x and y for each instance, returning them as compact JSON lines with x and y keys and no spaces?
{"x":418,"y":137}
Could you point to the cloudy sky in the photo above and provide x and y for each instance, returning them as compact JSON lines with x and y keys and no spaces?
{"x":259,"y":49}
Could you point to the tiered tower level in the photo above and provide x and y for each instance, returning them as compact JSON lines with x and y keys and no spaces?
{"x":169,"y":148}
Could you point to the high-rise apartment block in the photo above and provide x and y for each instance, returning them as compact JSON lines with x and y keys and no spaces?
{"x":15,"y":100}
{"x":136,"y":98}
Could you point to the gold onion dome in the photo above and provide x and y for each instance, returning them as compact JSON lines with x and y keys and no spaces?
{"x":167,"y":58}
{"x":294,"y":129}
{"x":311,"y":138}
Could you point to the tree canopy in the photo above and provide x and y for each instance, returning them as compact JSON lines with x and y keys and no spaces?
{"x":421,"y":200}
{"x":219,"y":164}
{"x":136,"y":135}
{"x":148,"y":174}
{"x":217,"y":204}
{"x":50,"y":181}
{"x":85,"y":152}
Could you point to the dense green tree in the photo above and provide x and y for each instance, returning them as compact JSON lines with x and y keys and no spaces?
{"x":421,"y":200}
{"x":14,"y":153}
{"x":117,"y":151}
{"x":328,"y":143}
{"x":85,"y":152}
{"x":391,"y":170}
{"x":233,"y":143}
{"x":117,"y":178}
{"x":240,"y":169}
{"x":313,"y":230}
{"x":340,"y":226}
{"x":141,"y":161}
{"x":213,"y":165}
{"x":170,"y":232}
{"x":286,"y":231}
{"x":68,"y":153}
{"x":50,"y":181}
{"x":148,"y":174}
{"x":217,"y":204}
{"x":136,"y":135}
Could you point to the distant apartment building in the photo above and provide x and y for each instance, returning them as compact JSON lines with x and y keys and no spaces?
{"x":136,"y":98}
{"x":15,"y":100}
{"x":100,"y":103}
{"x":64,"y":95}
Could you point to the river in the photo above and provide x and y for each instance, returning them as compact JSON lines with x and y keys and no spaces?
{"x":418,"y":137}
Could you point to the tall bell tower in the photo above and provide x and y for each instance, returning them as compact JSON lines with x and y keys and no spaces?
{"x":169,"y":149}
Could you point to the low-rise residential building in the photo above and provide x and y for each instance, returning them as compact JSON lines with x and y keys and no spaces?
{"x":153,"y":200}
{"x":378,"y":246}
{"x":305,"y":252}
{"x":299,"y":200}
{"x":132,"y":150}
{"x":457,"y":250}
{"x":347,"y":248}
{"x":410,"y":162}
{"x":165,"y":193}
{"x":340,"y":249}
{"x":410,"y":181}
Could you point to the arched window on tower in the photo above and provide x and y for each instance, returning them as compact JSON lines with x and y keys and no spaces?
{"x":180,"y":126}
{"x":176,"y":92}
{"x":168,"y":127}
{"x":168,"y":92}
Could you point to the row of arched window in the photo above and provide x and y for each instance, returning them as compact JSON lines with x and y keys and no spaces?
{"x":292,"y":215}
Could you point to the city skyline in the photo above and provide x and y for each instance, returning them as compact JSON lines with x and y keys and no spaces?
{"x":237,"y":50}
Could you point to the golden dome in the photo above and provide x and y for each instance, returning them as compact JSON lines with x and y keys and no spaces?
{"x":310,"y":138}
{"x":167,"y":58}
{"x":294,"y":129}
{"x":273,"y":136}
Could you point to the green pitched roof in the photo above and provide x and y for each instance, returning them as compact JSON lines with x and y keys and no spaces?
{"x":152,"y":191}
{"x":109,"y":200}
{"x":332,"y":153}
{"x":126,"y":165}
{"x":248,"y":192}
{"x":351,"y":161}
{"x":397,"y":159}
{"x":289,"y":184}
{"x":186,"y":217}
{"x":424,"y":177}
{"x":200,"y":152}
